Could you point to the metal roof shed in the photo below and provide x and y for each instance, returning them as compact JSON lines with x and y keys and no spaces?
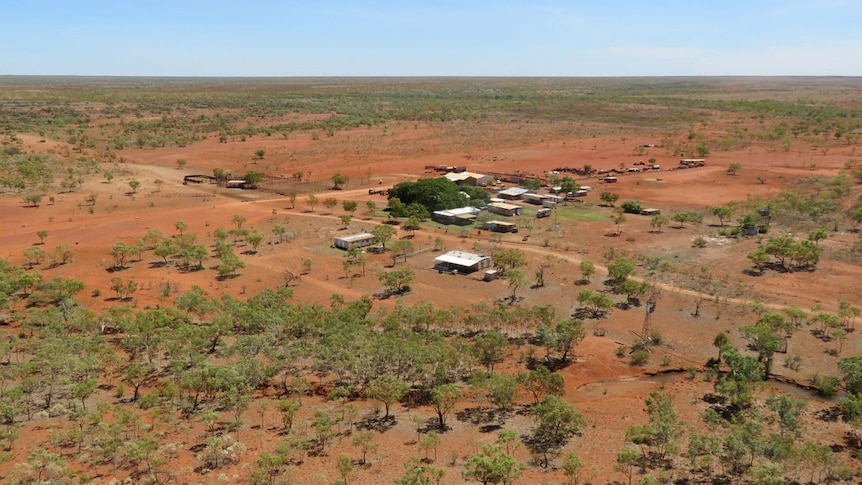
{"x":462,"y":261}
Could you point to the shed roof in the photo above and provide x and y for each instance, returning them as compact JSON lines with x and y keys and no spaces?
{"x":356,"y":237}
{"x":460,"y":176}
{"x":460,"y":211}
{"x":460,"y":258}
{"x":514,"y":191}
{"x":505,"y":206}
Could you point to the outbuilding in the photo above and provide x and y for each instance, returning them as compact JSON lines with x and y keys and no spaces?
{"x":462,"y":216}
{"x":462,"y":261}
{"x":354,"y":240}
{"x":535,"y":199}
{"x":501,"y":226}
{"x":504,"y":209}
{"x":512,"y":193}
{"x":235,"y":184}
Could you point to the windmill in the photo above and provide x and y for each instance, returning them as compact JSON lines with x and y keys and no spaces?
{"x":647,"y":326}
{"x":646,"y":330}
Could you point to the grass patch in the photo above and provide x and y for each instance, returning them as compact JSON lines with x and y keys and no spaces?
{"x":578,"y":213}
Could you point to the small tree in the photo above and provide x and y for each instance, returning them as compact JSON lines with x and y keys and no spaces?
{"x":588,"y":269}
{"x":492,"y":465}
{"x":388,"y":389}
{"x":181,"y":163}
{"x":364,"y":440}
{"x":609,"y":198}
{"x":397,"y":281}
{"x":42,"y":234}
{"x":556,"y":422}
{"x":818,"y":234}
{"x":33,"y":200}
{"x":517,"y":281}
{"x":657,"y":221}
{"x":412,"y":225}
{"x":279,"y":230}
{"x":134,"y":184}
{"x":401,"y":249}
{"x":489,"y":349}
{"x":238,"y":220}
{"x":572,"y":468}
{"x":349,"y":206}
{"x":443,"y":400}
{"x":259,"y":154}
{"x":627,"y":460}
{"x":383,"y":233}
{"x":254,"y":239}
{"x":311,"y":200}
{"x":252,"y":178}
{"x":338,"y":181}
{"x":733,"y":168}
{"x":330,"y":203}
{"x":618,"y":217}
{"x":35,"y":255}
{"x":723,"y":212}
{"x":370,"y":208}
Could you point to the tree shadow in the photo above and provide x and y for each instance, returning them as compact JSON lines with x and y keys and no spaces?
{"x":377,"y":423}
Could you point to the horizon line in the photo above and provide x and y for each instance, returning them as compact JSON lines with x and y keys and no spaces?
{"x":432,"y":76}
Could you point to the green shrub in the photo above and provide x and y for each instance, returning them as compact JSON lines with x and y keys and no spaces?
{"x":826,"y":385}
{"x":639,"y":357}
{"x":699,"y":242}
{"x":632,"y":206}
{"x":621,"y":351}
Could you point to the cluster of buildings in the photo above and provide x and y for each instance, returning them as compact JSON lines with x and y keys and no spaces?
{"x":502,"y":204}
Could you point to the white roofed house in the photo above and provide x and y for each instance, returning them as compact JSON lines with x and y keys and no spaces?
{"x":461,"y":216}
{"x":462,"y":261}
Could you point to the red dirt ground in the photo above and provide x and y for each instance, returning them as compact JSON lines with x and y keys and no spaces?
{"x":595,"y":383}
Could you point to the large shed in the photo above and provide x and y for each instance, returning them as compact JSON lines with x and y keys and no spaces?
{"x":470,"y":178}
{"x":462,"y":261}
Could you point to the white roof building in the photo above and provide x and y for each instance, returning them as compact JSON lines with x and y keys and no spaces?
{"x":513,"y":192}
{"x":463,"y":261}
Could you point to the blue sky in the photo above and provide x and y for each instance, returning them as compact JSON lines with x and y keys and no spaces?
{"x":430,"y":38}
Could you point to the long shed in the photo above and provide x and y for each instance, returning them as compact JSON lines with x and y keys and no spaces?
{"x":354,"y":240}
